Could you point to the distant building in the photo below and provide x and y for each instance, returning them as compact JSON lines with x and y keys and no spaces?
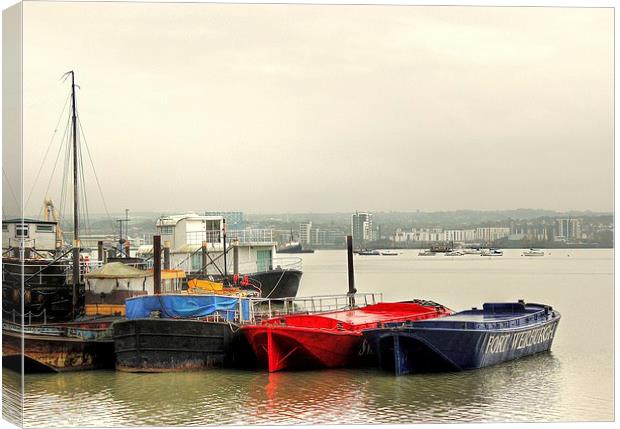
{"x":530,"y":231}
{"x":305,"y":231}
{"x":361,"y":228}
{"x":491,"y":233}
{"x":434,"y":235}
{"x":567,"y":229}
{"x":459,"y":235}
{"x":419,"y":234}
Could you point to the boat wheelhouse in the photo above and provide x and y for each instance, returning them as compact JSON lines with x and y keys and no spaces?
{"x":470,"y":339}
{"x":203,"y":247}
{"x":33,"y":258}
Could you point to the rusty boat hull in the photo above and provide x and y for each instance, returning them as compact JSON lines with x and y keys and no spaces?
{"x":169,"y":345}
{"x":53,"y":348}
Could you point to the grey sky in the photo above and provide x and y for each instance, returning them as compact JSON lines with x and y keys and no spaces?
{"x":291,"y":108}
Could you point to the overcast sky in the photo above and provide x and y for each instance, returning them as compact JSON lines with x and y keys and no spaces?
{"x":293,"y":108}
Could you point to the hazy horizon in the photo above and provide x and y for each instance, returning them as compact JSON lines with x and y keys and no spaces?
{"x":121,"y":214}
{"x":318,"y":109}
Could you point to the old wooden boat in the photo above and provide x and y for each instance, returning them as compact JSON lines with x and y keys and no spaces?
{"x":73,"y":346}
{"x":328,"y":339}
{"x":466,"y":340}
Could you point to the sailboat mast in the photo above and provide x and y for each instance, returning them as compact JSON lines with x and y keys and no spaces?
{"x":76,"y":226}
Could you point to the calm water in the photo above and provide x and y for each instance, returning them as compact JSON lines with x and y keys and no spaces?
{"x":572,"y":383}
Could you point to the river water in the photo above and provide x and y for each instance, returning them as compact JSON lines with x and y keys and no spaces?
{"x":572,"y":383}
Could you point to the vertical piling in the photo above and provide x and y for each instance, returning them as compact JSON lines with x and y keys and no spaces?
{"x":157,"y":264}
{"x":203,"y":270}
{"x":100,"y":251}
{"x":352,"y":290}
{"x":236,"y":257}
{"x":225,"y":264}
{"x":167,"y":255}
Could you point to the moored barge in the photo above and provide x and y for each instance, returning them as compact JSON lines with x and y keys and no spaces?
{"x":328,"y":339}
{"x":177,"y":332}
{"x":470,"y":339}
{"x":75,"y":346}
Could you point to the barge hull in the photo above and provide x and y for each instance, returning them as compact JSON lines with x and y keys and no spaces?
{"x":284,"y":348}
{"x":168,"y":345}
{"x":43,"y":353}
{"x":278,"y":283}
{"x":417,"y":350}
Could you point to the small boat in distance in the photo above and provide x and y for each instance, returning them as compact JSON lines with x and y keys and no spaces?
{"x":533,"y":252}
{"x":492,"y":252}
{"x":466,"y":340}
{"x":455,"y":253}
{"x":369,"y":252}
{"x":293,"y":247}
{"x":389,"y":253}
{"x":442,"y":247}
{"x":471,"y":250}
{"x":426,"y":253}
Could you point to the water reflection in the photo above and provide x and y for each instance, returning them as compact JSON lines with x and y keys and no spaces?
{"x":573,"y":382}
{"x":523,"y":390}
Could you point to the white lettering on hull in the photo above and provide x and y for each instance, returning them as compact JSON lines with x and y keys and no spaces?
{"x":501,"y":343}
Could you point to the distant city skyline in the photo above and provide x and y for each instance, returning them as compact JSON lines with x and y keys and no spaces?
{"x":309,"y":108}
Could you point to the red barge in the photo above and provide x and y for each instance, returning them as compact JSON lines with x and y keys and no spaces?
{"x":329,"y":339}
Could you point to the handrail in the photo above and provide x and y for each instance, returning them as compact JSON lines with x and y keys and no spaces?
{"x":286,"y":263}
{"x":267,"y":307}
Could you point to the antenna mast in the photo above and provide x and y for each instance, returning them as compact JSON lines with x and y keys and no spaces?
{"x":76,"y":225}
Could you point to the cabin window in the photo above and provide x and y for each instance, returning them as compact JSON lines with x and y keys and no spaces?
{"x":166,"y":229}
{"x":21,"y":230}
{"x":5,"y":227}
{"x":196,"y":262}
{"x":45,"y":228}
{"x":263,"y":260}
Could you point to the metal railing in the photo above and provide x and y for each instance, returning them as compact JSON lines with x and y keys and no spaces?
{"x":43,"y":271}
{"x":275,"y":264}
{"x":250,"y":235}
{"x":59,"y":331}
{"x":16,"y":316}
{"x":264,"y":308}
{"x":241,"y":235}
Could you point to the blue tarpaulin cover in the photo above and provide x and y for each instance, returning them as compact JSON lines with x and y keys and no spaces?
{"x":186,"y":306}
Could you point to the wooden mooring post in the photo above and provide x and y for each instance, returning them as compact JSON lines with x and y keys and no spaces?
{"x":352,"y":290}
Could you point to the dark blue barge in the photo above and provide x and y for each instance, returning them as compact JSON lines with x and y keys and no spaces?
{"x":466,"y":340}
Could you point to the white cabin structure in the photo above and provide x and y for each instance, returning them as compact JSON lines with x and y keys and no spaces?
{"x":249,"y":250}
{"x":30,"y":233}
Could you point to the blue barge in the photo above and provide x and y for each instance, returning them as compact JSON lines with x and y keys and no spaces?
{"x":466,"y":340}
